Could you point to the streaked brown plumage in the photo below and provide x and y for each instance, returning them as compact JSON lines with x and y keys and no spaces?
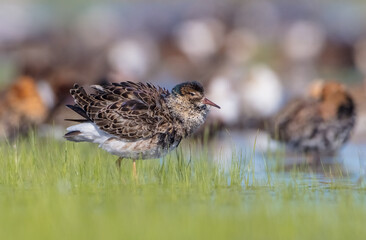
{"x":137,"y":120}
{"x":318,"y":125}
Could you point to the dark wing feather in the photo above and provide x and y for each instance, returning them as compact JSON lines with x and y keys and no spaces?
{"x":128,"y":110}
{"x":79,"y":111}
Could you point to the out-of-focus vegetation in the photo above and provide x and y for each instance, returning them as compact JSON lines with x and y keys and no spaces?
{"x":56,"y":191}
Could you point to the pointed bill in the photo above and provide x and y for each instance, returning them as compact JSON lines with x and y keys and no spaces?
{"x":208,"y":102}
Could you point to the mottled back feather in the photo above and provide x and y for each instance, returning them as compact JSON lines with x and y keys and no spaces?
{"x":128,"y":110}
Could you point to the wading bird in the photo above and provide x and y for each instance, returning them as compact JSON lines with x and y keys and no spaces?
{"x":137,"y":120}
{"x":318,"y":125}
{"x":26,"y":103}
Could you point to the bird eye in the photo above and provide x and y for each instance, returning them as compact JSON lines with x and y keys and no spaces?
{"x":192,"y":94}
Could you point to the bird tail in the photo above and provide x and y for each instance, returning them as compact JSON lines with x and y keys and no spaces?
{"x":81,"y":98}
{"x":86,"y":104}
{"x":79,"y":111}
{"x":86,"y":132}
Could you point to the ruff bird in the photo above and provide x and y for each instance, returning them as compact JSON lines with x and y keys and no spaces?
{"x":26,"y":103}
{"x":318,"y":125}
{"x":137,"y":120}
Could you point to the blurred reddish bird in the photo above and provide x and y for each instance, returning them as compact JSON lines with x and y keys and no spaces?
{"x":21,"y":106}
{"x":318,"y":125}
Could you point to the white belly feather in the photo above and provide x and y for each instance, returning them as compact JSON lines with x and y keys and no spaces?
{"x":142,"y":149}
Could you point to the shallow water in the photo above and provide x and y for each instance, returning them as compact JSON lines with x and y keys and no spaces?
{"x":263,"y":157}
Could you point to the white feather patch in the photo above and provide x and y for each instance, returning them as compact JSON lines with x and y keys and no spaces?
{"x":89,"y":132}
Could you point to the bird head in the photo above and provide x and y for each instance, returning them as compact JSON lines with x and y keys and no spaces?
{"x":192,"y":93}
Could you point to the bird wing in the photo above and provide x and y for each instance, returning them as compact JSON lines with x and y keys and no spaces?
{"x":297,"y":120}
{"x":128,"y":110}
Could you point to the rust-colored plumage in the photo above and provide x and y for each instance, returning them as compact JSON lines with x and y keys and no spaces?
{"x":318,"y":125}
{"x":21,"y":106}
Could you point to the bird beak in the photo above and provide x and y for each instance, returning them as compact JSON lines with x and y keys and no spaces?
{"x":208,"y":102}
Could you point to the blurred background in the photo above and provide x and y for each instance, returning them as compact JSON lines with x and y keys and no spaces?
{"x":251,"y":56}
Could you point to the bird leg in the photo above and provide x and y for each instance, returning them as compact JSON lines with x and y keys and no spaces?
{"x":118,"y":162}
{"x":134,"y":169}
{"x":134,"y":172}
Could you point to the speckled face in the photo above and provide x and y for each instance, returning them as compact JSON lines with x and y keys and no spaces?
{"x":193,"y":92}
{"x":188,"y":104}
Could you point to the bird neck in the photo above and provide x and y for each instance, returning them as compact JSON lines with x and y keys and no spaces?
{"x":189,"y":117}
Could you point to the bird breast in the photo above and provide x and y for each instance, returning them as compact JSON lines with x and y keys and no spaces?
{"x":142,"y":149}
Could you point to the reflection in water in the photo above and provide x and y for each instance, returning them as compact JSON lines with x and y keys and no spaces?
{"x":263,"y":157}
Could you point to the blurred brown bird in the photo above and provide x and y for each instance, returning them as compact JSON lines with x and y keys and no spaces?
{"x":21,"y":106}
{"x":318,"y":125}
